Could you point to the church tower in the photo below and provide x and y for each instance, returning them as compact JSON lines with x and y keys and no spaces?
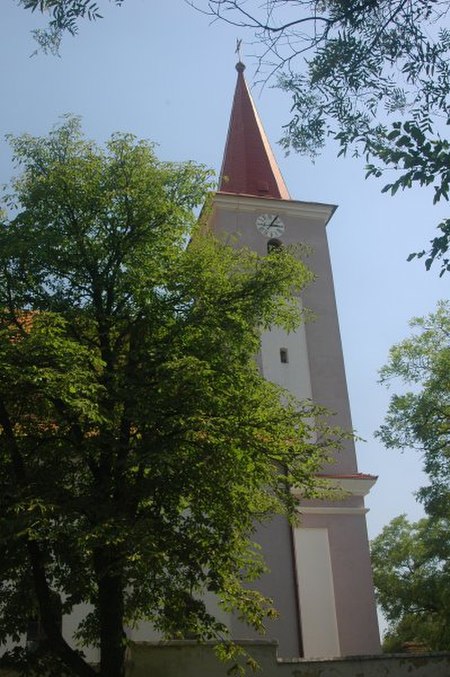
{"x":320,"y":575}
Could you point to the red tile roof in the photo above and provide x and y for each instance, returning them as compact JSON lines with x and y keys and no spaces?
{"x":249,"y":166}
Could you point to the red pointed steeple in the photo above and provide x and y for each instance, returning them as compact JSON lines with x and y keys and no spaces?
{"x":249,"y":166}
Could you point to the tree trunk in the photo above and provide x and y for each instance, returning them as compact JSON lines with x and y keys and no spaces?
{"x":47,"y":615}
{"x":110,"y":610}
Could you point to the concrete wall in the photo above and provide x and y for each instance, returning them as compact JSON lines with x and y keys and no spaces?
{"x":187,"y":659}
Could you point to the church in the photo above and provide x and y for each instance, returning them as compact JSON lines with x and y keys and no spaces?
{"x":320,"y":574}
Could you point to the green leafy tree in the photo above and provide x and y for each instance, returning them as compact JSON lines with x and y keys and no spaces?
{"x":420,"y":417}
{"x":139,"y":443}
{"x":372,"y":74}
{"x":411,"y":567}
{"x":64,"y":16}
{"x":412,"y":561}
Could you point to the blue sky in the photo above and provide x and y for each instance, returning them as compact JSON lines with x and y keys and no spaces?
{"x":161,"y":71}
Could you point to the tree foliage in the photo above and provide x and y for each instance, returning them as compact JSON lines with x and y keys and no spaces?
{"x":412,"y":561}
{"x":139,"y":443}
{"x":411,"y":566}
{"x":64,"y":17}
{"x":372,"y":74}
{"x":420,"y":417}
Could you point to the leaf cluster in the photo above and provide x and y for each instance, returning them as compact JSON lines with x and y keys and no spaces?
{"x":65,"y":16}
{"x":420,"y":417}
{"x":411,"y":565}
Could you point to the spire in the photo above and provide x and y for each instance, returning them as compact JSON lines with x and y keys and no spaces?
{"x":249,"y":165}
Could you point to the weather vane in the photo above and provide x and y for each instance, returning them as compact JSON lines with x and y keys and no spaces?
{"x":238,"y":48}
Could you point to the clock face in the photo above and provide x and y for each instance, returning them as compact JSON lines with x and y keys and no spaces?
{"x":270,"y":225}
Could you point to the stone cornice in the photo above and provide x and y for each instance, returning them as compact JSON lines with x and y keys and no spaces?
{"x":296,"y":208}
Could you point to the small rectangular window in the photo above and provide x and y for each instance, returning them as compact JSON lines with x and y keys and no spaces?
{"x":284,"y":356}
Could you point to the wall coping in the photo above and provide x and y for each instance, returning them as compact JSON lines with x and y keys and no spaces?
{"x":370,"y":657}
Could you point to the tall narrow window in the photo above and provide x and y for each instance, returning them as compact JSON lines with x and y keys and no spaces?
{"x":284,"y":358}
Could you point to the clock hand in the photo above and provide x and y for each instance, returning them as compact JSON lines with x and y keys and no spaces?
{"x":271,"y":224}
